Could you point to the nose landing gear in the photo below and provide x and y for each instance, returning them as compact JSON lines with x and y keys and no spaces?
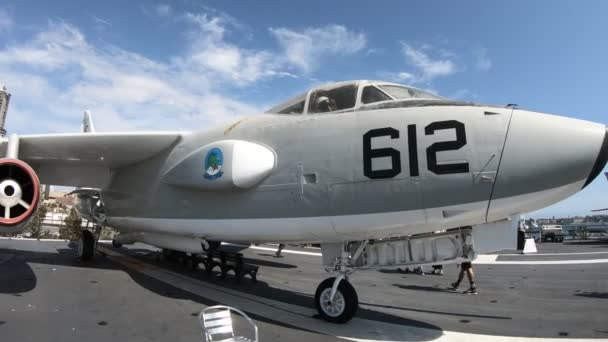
{"x":344,"y":304}
{"x":335,"y":298}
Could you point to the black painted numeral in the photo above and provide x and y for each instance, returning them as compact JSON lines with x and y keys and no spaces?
{"x":431,"y":151}
{"x":369,"y":154}
{"x":412,"y":144}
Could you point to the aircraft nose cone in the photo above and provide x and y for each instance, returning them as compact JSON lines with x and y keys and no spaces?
{"x":600,"y":162}
{"x":546,"y":158}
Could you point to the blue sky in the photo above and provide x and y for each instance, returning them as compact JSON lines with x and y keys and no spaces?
{"x":189,"y":64}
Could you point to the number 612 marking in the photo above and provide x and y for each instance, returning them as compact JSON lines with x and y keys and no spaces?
{"x":431,"y":152}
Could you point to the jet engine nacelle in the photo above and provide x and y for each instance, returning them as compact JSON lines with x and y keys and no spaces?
{"x":19,"y":194}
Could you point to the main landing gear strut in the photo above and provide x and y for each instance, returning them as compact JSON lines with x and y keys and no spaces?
{"x":335,"y":298}
{"x":88,"y":242}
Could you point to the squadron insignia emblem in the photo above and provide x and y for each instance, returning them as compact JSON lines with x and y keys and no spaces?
{"x":213,"y":164}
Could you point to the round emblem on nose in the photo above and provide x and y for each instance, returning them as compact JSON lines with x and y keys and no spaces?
{"x":214,"y":162}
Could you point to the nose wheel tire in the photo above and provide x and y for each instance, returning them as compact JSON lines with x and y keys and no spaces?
{"x":345,"y":303}
{"x":86,"y":245}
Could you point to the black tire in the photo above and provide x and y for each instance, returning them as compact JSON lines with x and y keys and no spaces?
{"x":116,"y":243}
{"x":349,"y":295}
{"x":86,"y":246}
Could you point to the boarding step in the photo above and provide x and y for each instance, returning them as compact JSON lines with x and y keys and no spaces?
{"x":452,"y":246}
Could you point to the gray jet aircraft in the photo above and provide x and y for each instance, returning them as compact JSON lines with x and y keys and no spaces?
{"x":349,"y":165}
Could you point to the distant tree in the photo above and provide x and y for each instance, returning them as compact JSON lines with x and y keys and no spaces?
{"x":71,"y":230}
{"x":34,"y":227}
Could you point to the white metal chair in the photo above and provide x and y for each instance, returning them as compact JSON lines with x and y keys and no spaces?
{"x":216,"y":322}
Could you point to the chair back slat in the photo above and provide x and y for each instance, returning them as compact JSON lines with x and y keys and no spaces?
{"x":229,"y":339}
{"x":218,"y":314}
{"x":218,"y":322}
{"x":220,"y":330}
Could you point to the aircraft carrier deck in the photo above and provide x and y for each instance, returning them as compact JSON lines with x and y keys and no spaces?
{"x":129,"y":295}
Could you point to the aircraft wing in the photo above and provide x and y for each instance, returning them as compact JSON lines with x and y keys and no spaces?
{"x":87,"y":159}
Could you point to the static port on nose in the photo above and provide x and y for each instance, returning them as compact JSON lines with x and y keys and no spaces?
{"x":600,"y":162}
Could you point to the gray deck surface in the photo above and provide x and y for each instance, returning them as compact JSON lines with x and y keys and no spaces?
{"x":47,"y":295}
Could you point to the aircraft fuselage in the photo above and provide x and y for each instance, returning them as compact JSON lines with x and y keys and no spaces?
{"x":365,"y":174}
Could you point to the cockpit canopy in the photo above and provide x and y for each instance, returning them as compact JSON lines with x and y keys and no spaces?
{"x":349,"y":96}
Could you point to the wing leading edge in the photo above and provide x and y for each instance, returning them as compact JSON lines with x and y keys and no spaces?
{"x":86,"y":159}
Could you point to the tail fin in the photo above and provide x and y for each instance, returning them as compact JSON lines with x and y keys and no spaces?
{"x":87,"y":123}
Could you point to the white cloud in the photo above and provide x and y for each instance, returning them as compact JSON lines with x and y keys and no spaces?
{"x":58,"y":74}
{"x":6,"y":22}
{"x":211,"y":28}
{"x":405,"y":77}
{"x":100,"y":21}
{"x":374,"y":51}
{"x":301,"y":51}
{"x":482,"y":61}
{"x":212,"y":53}
{"x":49,"y":50}
{"x":305,"y":49}
{"x":428,"y":67}
{"x":162,"y":10}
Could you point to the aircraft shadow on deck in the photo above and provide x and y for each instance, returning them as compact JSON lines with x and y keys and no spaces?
{"x":21,"y":278}
{"x":267,"y":263}
{"x":423,"y":288}
{"x":596,"y":295}
{"x":264,"y":290}
{"x":151,"y":256}
{"x":18,"y":276}
{"x":457,"y":314}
